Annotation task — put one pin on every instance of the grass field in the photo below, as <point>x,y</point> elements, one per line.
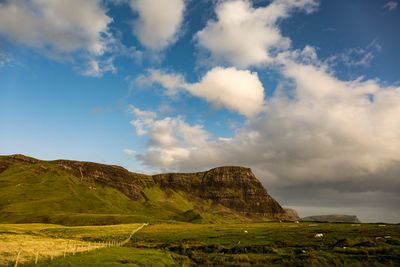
<point>256,244</point>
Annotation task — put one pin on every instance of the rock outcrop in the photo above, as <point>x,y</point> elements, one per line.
<point>289,215</point>
<point>234,187</point>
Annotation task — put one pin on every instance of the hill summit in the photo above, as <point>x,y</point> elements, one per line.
<point>75,192</point>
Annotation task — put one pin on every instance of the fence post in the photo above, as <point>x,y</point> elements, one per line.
<point>17,259</point>
<point>37,256</point>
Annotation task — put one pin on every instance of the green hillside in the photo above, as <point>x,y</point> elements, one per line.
<point>42,191</point>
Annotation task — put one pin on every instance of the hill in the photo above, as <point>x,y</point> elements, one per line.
<point>82,193</point>
<point>332,218</point>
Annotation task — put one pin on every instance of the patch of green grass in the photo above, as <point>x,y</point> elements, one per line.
<point>44,193</point>
<point>269,244</point>
<point>92,233</point>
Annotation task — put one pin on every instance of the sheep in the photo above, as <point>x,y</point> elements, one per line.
<point>319,235</point>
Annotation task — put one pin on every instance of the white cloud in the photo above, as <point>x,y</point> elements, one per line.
<point>170,139</point>
<point>245,36</point>
<point>61,26</point>
<point>145,119</point>
<point>391,5</point>
<point>158,22</point>
<point>96,68</point>
<point>171,82</point>
<point>237,90</point>
<point>129,152</point>
<point>62,30</point>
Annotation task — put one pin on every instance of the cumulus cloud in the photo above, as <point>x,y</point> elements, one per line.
<point>158,22</point>
<point>244,36</point>
<point>237,90</point>
<point>61,26</point>
<point>170,139</point>
<point>62,30</point>
<point>391,5</point>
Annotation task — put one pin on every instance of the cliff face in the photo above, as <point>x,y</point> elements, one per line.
<point>233,188</point>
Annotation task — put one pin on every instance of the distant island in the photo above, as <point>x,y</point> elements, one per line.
<point>332,218</point>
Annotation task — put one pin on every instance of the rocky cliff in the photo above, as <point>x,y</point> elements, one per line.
<point>234,187</point>
<point>224,190</point>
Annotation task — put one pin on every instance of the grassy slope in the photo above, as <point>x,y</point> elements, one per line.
<point>264,244</point>
<point>41,192</point>
<point>44,193</point>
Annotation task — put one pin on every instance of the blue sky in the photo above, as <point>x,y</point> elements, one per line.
<point>306,92</point>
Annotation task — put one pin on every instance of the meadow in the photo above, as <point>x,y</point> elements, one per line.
<point>183,244</point>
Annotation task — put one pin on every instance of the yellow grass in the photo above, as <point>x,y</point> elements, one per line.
<point>45,247</point>
<point>35,240</point>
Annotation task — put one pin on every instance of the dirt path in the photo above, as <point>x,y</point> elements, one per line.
<point>133,232</point>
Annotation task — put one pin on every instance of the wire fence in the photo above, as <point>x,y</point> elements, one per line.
<point>60,248</point>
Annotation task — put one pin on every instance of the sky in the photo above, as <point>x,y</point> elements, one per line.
<point>304,92</point>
